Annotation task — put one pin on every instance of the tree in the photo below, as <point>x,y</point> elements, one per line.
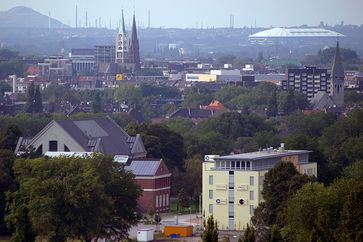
<point>289,104</point>
<point>34,100</point>
<point>314,212</point>
<point>302,212</point>
<point>7,183</point>
<point>129,94</point>
<point>280,183</point>
<point>249,234</point>
<point>79,198</point>
<point>38,103</point>
<point>354,171</point>
<point>351,226</point>
<point>9,137</point>
<point>210,233</point>
<point>161,142</point>
<point>97,103</point>
<point>272,106</point>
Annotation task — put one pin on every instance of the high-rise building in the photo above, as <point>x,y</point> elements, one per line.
<point>122,45</point>
<point>232,185</point>
<point>309,80</point>
<point>337,79</point>
<point>134,54</point>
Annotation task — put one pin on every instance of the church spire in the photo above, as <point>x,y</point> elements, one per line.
<point>122,27</point>
<point>337,79</point>
<point>337,68</point>
<point>122,43</point>
<point>134,55</point>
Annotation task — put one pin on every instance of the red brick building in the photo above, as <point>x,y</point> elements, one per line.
<point>154,178</point>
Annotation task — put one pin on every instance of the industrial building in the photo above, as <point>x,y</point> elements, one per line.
<point>232,184</point>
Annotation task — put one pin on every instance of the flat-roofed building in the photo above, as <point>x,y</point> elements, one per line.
<point>309,80</point>
<point>232,184</point>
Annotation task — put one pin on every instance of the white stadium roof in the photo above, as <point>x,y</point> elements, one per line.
<point>296,33</point>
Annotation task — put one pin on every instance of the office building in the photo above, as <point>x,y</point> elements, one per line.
<point>232,184</point>
<point>105,54</point>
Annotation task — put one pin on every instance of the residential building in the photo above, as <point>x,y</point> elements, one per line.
<point>232,184</point>
<point>91,135</point>
<point>154,178</point>
<point>309,80</point>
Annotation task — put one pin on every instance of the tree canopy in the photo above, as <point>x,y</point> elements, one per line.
<point>77,198</point>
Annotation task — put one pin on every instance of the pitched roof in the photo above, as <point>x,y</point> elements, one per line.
<point>144,167</point>
<point>321,101</point>
<point>216,105</point>
<point>100,132</point>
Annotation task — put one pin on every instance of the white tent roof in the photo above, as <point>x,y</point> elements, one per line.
<point>296,32</point>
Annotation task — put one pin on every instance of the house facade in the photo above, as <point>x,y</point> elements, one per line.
<point>101,135</point>
<point>232,184</point>
<point>154,177</point>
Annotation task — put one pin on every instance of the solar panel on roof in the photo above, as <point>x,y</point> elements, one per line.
<point>144,167</point>
<point>90,128</point>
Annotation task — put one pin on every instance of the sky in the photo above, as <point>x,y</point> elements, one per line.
<point>200,13</point>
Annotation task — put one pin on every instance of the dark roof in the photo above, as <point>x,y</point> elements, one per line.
<point>90,134</point>
<point>144,167</point>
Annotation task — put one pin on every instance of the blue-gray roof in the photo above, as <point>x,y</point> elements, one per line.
<point>144,167</point>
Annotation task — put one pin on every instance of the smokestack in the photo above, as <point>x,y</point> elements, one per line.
<point>76,16</point>
<point>49,20</point>
<point>96,24</point>
<point>99,22</point>
<point>148,23</point>
<point>14,83</point>
<point>86,19</point>
<point>231,21</point>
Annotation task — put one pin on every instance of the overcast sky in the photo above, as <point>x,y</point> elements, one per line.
<point>197,13</point>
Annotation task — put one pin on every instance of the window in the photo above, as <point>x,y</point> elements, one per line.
<point>157,201</point>
<point>160,200</point>
<point>252,210</point>
<point>231,211</point>
<point>66,149</point>
<point>210,208</point>
<point>167,199</point>
<point>210,180</point>
<point>252,180</point>
<point>210,194</point>
<point>53,145</point>
<point>252,195</point>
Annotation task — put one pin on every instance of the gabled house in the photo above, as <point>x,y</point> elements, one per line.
<point>154,178</point>
<point>92,135</point>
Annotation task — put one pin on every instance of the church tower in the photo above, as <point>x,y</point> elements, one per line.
<point>134,54</point>
<point>337,79</point>
<point>122,47</point>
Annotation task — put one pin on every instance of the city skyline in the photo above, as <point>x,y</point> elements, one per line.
<point>201,14</point>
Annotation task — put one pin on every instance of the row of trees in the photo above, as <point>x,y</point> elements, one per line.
<point>66,198</point>
<point>298,208</point>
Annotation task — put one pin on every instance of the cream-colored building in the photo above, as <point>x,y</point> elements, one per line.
<point>232,184</point>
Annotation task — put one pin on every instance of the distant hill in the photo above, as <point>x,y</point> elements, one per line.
<point>24,17</point>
